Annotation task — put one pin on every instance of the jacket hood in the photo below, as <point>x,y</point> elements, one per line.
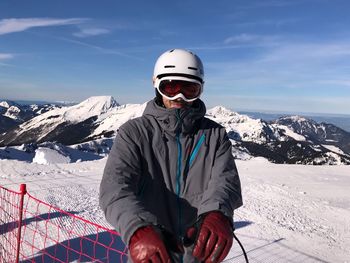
<point>175,121</point>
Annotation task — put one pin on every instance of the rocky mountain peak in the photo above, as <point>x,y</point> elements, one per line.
<point>7,104</point>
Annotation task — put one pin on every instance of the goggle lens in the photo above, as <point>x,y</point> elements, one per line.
<point>171,88</point>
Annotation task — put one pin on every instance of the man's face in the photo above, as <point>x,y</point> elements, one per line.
<point>176,104</point>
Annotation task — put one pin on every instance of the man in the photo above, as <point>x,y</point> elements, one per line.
<point>170,184</point>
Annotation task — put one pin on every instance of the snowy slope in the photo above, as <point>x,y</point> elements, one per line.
<point>66,124</point>
<point>93,106</point>
<point>111,121</point>
<point>241,127</point>
<point>21,113</point>
<point>287,140</point>
<point>317,132</point>
<point>291,213</point>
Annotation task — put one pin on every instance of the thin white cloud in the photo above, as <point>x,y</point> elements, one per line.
<point>308,69</point>
<point>252,39</point>
<point>88,32</point>
<point>5,65</point>
<point>269,4</point>
<point>98,48</point>
<point>338,82</point>
<point>269,22</point>
<point>316,54</point>
<point>240,38</point>
<point>244,40</point>
<point>4,56</point>
<point>12,25</point>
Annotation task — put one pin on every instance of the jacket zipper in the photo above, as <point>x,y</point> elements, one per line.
<point>178,173</point>
<point>178,179</point>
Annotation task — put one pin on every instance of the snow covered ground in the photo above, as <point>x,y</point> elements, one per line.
<point>291,213</point>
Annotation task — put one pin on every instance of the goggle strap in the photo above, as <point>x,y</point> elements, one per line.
<point>180,75</point>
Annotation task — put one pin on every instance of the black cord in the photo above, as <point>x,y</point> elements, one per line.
<point>240,244</point>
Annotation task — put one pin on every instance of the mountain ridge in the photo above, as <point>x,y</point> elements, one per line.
<point>292,139</point>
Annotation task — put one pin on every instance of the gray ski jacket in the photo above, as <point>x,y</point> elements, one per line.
<point>166,168</point>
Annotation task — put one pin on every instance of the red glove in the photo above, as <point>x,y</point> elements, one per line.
<point>214,240</point>
<point>146,245</point>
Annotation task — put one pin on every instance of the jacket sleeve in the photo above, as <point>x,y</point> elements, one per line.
<point>224,188</point>
<point>120,185</point>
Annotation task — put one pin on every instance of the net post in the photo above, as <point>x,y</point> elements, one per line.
<point>23,191</point>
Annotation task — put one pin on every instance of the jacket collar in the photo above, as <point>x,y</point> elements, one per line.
<point>174,121</point>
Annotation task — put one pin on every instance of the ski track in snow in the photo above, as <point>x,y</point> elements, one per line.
<point>291,213</point>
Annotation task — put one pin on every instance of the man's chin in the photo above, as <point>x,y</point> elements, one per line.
<point>179,105</point>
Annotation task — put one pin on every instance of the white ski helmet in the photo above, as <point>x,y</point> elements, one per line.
<point>178,64</point>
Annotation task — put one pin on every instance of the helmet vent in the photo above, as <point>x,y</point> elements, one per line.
<point>192,68</point>
<point>169,66</point>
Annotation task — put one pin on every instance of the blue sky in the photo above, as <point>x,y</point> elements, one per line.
<point>271,55</point>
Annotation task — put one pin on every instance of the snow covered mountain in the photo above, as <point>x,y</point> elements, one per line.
<point>323,133</point>
<point>286,140</point>
<point>88,126</point>
<point>67,125</point>
<point>13,114</point>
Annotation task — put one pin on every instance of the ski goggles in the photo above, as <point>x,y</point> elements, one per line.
<point>173,89</point>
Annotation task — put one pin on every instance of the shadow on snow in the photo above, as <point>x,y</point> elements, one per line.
<point>99,247</point>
